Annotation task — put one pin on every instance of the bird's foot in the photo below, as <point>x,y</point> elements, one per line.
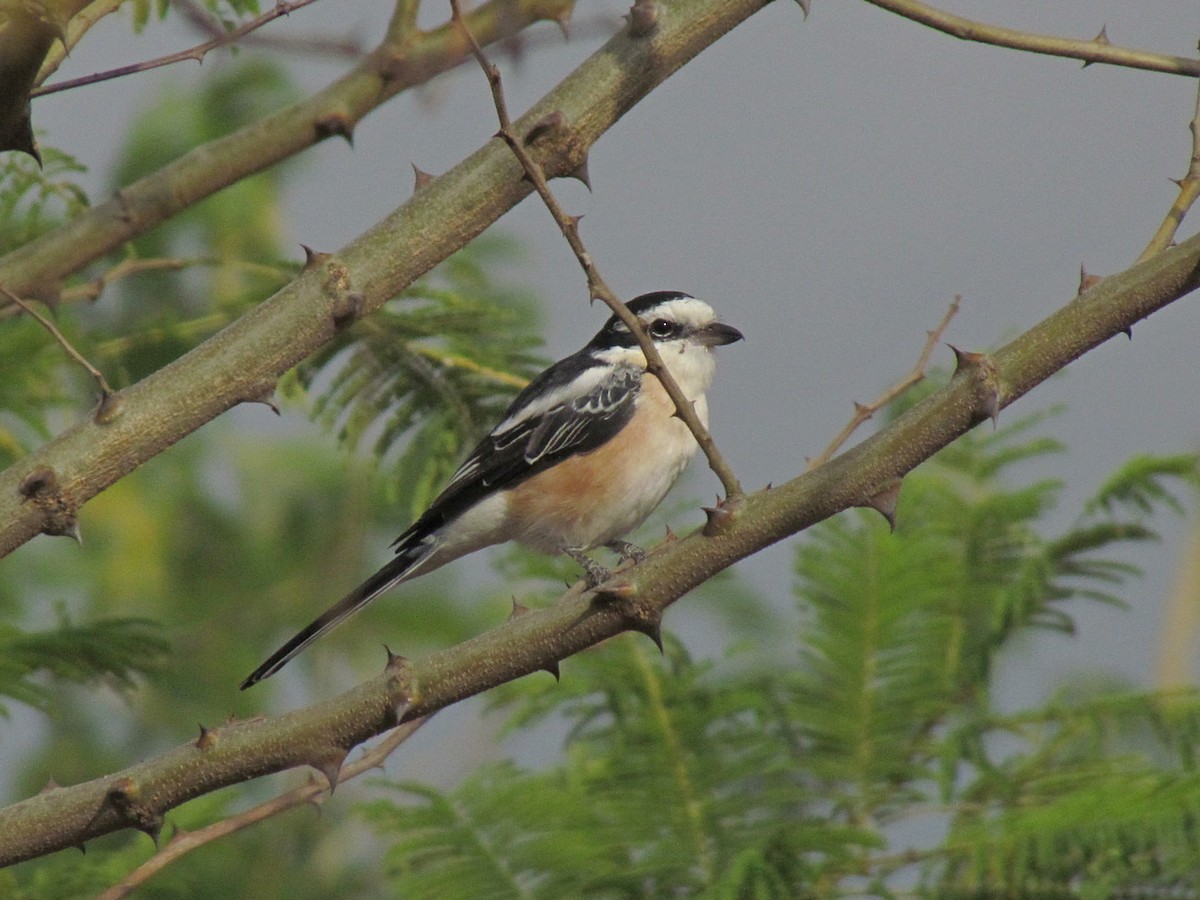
<point>594,573</point>
<point>627,551</point>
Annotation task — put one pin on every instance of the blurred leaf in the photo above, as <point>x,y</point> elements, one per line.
<point>1140,484</point>
<point>115,650</point>
<point>35,199</point>
<point>152,318</point>
<point>427,376</point>
<point>785,778</point>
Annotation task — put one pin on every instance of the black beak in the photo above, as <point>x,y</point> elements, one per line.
<point>718,334</point>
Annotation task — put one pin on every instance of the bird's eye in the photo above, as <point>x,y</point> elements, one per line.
<point>661,329</point>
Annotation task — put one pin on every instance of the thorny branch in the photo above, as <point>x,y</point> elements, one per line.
<point>598,288</point>
<point>197,53</point>
<point>1189,190</point>
<point>139,795</point>
<point>863,412</point>
<point>314,791</point>
<point>1097,50</point>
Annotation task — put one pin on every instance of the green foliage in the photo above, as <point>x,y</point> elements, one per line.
<point>35,199</point>
<point>1139,484</point>
<point>1105,797</point>
<point>669,788</point>
<point>427,376</point>
<point>228,246</point>
<point>32,386</point>
<point>228,10</point>
<point>115,650</point>
<point>800,778</point>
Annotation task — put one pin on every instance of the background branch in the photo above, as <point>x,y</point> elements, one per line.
<point>321,735</point>
<point>1093,51</point>
<point>401,61</point>
<point>347,46</point>
<point>863,412</point>
<point>1189,190</point>
<point>184,842</point>
<point>196,53</point>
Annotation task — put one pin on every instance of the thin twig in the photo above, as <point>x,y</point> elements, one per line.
<point>1189,190</point>
<point>404,19</point>
<point>106,390</point>
<point>598,288</point>
<point>92,290</point>
<point>864,412</point>
<point>1093,51</point>
<point>196,53</point>
<point>207,23</point>
<point>184,842</point>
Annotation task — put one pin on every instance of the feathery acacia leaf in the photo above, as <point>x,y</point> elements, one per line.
<point>35,199</point>
<point>781,780</point>
<point>117,650</point>
<point>1138,485</point>
<point>425,377</point>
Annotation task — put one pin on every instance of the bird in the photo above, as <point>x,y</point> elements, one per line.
<point>585,452</point>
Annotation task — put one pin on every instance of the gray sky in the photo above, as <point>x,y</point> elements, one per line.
<point>828,186</point>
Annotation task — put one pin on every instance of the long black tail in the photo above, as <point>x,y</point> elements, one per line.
<point>391,574</point>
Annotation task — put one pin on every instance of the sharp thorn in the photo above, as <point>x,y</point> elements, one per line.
<point>965,359</point>
<point>207,738</point>
<point>651,628</point>
<point>564,23</point>
<point>718,519</point>
<point>580,174</point>
<point>152,829</point>
<point>72,531</point>
<point>330,766</point>
<point>313,258</point>
<point>420,178</point>
<point>884,500</point>
<point>393,659</point>
<point>264,393</point>
<point>335,123</point>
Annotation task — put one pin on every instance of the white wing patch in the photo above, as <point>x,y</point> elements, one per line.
<point>583,413</point>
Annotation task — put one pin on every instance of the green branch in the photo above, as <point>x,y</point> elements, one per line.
<point>321,735</point>
<point>402,61</point>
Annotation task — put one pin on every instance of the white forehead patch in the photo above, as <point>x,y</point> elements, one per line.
<point>684,310</point>
<point>687,311</point>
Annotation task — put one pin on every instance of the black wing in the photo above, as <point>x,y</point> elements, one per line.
<point>521,446</point>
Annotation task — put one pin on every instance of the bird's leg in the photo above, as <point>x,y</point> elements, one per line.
<point>626,550</point>
<point>596,574</point>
